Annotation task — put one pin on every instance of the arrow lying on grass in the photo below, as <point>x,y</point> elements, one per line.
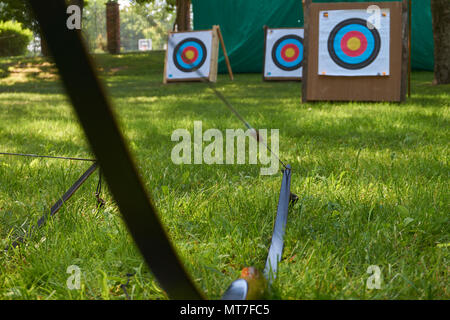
<point>66,196</point>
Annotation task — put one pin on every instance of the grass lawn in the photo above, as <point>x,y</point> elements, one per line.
<point>373,182</point>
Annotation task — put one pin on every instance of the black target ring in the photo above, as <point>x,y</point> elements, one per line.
<point>332,38</point>
<point>275,55</point>
<point>202,55</point>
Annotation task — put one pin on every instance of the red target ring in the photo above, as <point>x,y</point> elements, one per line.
<point>354,43</point>
<point>290,55</point>
<point>189,54</point>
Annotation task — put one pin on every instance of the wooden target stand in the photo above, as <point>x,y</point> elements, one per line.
<point>319,87</point>
<point>212,58</point>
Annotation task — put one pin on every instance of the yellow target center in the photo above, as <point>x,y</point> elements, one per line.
<point>189,54</point>
<point>290,52</point>
<point>354,43</point>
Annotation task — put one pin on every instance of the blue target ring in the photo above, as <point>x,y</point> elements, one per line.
<point>366,51</point>
<point>196,58</point>
<point>292,61</point>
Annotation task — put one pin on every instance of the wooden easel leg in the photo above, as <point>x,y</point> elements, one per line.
<point>306,5</point>
<point>219,34</point>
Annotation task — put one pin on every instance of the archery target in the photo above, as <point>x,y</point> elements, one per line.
<point>350,46</point>
<point>189,55</point>
<point>284,53</point>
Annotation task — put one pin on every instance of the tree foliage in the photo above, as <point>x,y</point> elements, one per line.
<point>137,21</point>
<point>180,7</point>
<point>145,21</point>
<point>13,38</point>
<point>18,11</point>
<point>21,12</point>
<point>169,5</point>
<point>94,24</point>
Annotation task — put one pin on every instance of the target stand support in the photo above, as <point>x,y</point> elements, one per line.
<point>194,56</point>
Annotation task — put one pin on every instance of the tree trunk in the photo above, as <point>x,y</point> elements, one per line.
<point>183,19</point>
<point>113,27</point>
<point>440,10</point>
<point>44,47</point>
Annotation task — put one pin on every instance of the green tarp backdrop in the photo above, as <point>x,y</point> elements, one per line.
<point>242,21</point>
